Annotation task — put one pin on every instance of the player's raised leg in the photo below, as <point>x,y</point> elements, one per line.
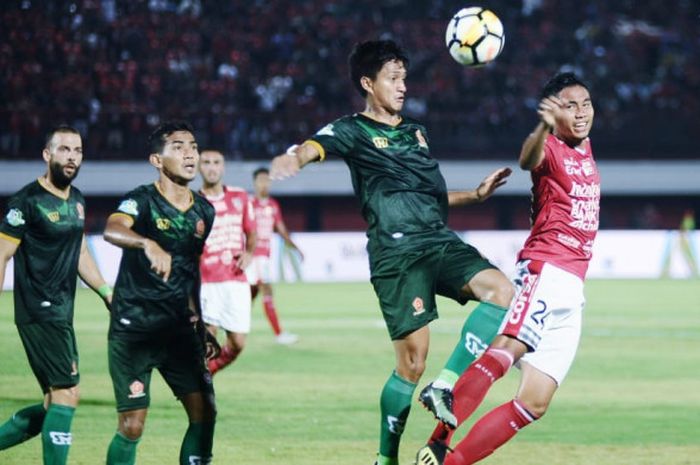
<point>22,425</point>
<point>494,291</point>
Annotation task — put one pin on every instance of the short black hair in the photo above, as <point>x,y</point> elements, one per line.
<point>559,82</point>
<point>61,128</point>
<point>367,59</point>
<point>261,170</point>
<point>156,141</point>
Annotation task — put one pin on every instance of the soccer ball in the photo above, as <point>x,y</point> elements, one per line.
<point>474,36</point>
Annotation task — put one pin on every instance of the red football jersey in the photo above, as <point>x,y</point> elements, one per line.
<point>226,242</point>
<point>565,207</point>
<point>267,216</point>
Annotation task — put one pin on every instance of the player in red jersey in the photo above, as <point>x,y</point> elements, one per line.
<point>225,293</point>
<point>268,217</point>
<point>542,328</point>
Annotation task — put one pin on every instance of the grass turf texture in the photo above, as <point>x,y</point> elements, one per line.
<point>631,397</point>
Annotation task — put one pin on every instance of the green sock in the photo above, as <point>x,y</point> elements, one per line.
<point>24,424</point>
<point>122,450</point>
<point>395,404</point>
<point>197,444</point>
<point>477,333</point>
<point>55,434</point>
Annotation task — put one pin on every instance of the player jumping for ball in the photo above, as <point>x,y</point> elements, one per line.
<point>413,255</point>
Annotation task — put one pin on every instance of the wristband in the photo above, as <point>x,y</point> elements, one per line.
<point>292,150</point>
<point>104,290</point>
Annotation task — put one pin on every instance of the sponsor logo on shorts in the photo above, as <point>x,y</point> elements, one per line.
<point>523,299</point>
<point>136,389</point>
<point>418,306</point>
<point>74,368</point>
<point>14,217</point>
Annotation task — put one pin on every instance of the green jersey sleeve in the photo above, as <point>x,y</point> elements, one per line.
<point>14,223</point>
<point>336,138</point>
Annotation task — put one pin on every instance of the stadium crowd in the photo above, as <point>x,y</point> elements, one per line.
<point>255,76</point>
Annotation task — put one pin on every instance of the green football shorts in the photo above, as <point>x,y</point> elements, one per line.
<point>52,353</point>
<point>406,283</point>
<point>178,357</point>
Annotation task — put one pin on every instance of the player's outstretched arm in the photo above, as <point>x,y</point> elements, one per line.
<point>483,191</point>
<point>7,251</point>
<point>118,232</point>
<point>532,152</point>
<point>294,159</point>
<point>90,274</point>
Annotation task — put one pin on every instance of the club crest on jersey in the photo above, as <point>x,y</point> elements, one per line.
<point>418,306</point>
<point>199,228</point>
<point>81,210</point>
<point>53,216</point>
<point>380,142</point>
<point>162,224</point>
<point>129,206</point>
<point>14,217</point>
<point>136,390</point>
<point>421,140</point>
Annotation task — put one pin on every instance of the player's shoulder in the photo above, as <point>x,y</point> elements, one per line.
<point>234,191</point>
<point>144,190</point>
<point>344,123</point>
<point>77,194</point>
<point>408,121</point>
<point>201,202</point>
<point>29,190</point>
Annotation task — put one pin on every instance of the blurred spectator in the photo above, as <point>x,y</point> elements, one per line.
<point>256,76</point>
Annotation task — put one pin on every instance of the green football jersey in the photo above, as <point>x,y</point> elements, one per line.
<point>401,190</point>
<point>143,304</point>
<point>49,231</point>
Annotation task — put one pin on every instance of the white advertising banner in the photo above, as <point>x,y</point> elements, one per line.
<point>331,257</point>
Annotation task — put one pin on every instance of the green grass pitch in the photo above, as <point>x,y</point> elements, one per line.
<point>632,397</point>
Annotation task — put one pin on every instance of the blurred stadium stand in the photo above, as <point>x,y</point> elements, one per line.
<point>256,76</point>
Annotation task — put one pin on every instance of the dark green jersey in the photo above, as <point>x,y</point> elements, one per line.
<point>49,231</point>
<point>143,304</point>
<point>402,192</point>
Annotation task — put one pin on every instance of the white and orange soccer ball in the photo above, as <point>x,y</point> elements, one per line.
<point>474,36</point>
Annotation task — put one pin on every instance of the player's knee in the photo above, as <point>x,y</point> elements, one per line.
<point>535,407</point>
<point>209,413</point>
<point>66,396</point>
<point>131,427</point>
<point>237,344</point>
<point>501,293</point>
<point>412,370</point>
